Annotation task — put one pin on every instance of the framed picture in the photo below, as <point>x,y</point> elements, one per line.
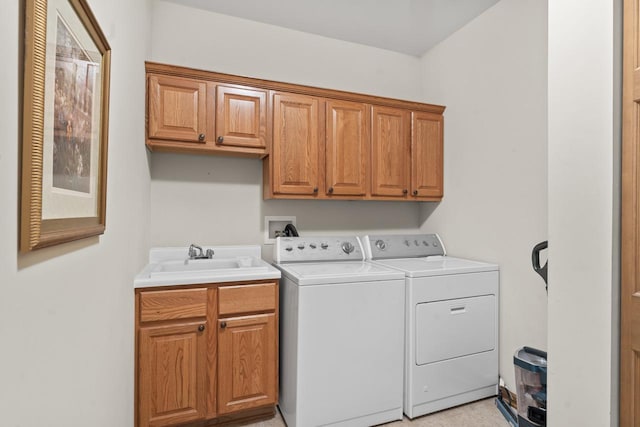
<point>65,124</point>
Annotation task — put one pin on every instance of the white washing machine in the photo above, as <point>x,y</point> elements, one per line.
<point>451,323</point>
<point>341,340</point>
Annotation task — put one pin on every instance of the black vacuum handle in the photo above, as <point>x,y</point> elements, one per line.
<point>535,259</point>
<point>535,254</point>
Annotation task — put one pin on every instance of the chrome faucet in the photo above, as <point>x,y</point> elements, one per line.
<point>195,252</point>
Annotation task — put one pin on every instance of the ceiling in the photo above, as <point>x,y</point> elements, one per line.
<point>406,26</point>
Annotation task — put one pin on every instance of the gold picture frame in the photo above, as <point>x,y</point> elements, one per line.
<point>65,122</point>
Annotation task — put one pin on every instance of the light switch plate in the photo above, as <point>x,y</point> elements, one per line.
<point>273,224</point>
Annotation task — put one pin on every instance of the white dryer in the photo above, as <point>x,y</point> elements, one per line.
<point>451,322</point>
<point>341,340</point>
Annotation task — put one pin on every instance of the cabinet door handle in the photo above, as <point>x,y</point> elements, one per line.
<point>223,325</point>
<point>220,139</point>
<point>315,189</point>
<point>201,328</point>
<point>330,190</point>
<point>405,191</point>
<point>415,192</point>
<point>201,137</point>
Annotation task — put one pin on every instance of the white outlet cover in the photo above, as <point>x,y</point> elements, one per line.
<point>272,223</point>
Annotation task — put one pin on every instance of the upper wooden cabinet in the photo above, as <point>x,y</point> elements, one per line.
<point>177,109</point>
<point>390,152</point>
<point>294,160</point>
<point>426,155</point>
<point>241,117</point>
<point>197,116</point>
<point>315,143</point>
<point>347,148</point>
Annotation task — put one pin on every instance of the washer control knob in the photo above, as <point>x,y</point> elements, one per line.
<point>288,248</point>
<point>381,245</point>
<point>406,242</point>
<point>301,246</point>
<point>424,242</point>
<point>312,245</point>
<point>415,242</point>
<point>435,244</point>
<point>347,247</point>
<point>324,245</point>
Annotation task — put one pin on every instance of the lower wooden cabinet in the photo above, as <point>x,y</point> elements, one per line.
<point>172,373</point>
<point>246,362</point>
<point>200,365</point>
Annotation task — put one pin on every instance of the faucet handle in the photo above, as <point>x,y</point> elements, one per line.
<point>209,253</point>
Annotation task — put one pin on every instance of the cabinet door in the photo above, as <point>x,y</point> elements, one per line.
<point>347,150</point>
<point>426,155</point>
<point>391,152</point>
<point>241,117</point>
<point>177,109</point>
<point>173,373</point>
<point>295,144</point>
<point>247,362</point>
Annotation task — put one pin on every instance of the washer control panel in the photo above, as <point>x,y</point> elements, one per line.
<point>323,248</point>
<point>403,246</point>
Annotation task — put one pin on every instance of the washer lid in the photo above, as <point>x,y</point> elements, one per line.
<point>325,273</point>
<point>436,266</point>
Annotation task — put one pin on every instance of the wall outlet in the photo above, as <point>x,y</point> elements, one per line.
<point>274,227</point>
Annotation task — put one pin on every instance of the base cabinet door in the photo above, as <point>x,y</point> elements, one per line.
<point>172,374</point>
<point>247,362</point>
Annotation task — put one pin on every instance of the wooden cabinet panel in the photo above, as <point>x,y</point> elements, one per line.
<point>177,109</point>
<point>247,362</point>
<point>295,144</point>
<point>247,298</point>
<point>241,117</point>
<point>173,374</point>
<point>174,304</point>
<point>390,152</point>
<point>426,155</point>
<point>347,147</point>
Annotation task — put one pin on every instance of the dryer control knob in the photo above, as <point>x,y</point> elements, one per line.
<point>347,247</point>
<point>381,245</point>
<point>324,245</point>
<point>312,245</point>
<point>301,246</point>
<point>288,248</point>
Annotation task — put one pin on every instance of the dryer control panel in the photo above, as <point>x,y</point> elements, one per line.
<point>403,246</point>
<point>322,248</point>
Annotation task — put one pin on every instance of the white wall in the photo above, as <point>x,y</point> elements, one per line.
<point>491,75</point>
<point>216,42</point>
<point>582,125</point>
<point>66,313</point>
<point>218,200</point>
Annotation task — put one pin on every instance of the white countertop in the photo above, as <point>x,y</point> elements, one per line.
<point>170,266</point>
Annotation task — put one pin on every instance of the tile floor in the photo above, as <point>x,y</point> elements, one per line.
<point>482,413</point>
